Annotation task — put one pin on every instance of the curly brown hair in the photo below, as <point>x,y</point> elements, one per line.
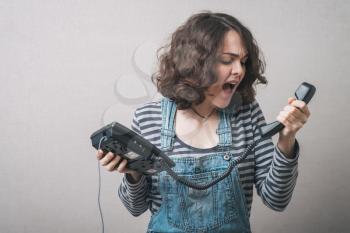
<point>186,63</point>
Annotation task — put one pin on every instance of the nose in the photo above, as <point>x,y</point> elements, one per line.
<point>237,69</point>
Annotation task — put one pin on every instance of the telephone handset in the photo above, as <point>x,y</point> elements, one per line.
<point>304,92</point>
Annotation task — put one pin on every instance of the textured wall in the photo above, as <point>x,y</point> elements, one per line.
<point>69,67</point>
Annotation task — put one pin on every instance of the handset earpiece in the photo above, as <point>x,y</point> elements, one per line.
<point>305,92</point>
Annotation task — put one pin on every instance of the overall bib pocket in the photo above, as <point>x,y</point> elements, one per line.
<point>200,210</point>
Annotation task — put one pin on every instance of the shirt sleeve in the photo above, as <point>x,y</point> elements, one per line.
<point>275,174</point>
<point>133,195</point>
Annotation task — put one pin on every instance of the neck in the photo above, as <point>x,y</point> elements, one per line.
<point>203,110</point>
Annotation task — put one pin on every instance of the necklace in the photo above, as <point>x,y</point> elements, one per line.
<point>204,118</point>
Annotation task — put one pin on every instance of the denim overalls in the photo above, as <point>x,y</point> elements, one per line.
<point>220,208</point>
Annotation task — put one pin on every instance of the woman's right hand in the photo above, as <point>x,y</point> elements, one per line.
<point>113,162</point>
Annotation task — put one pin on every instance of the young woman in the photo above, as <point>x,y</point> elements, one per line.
<point>208,115</point>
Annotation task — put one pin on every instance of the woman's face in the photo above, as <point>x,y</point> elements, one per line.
<point>230,69</point>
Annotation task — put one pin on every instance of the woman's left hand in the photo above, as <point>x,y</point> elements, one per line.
<point>293,117</point>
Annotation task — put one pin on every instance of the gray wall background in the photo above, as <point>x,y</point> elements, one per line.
<point>69,67</point>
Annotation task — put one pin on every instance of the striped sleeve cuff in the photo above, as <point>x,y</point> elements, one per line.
<point>284,160</point>
<point>132,186</point>
<point>133,195</point>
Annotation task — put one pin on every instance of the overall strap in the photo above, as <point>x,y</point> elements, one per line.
<point>224,130</point>
<point>168,108</point>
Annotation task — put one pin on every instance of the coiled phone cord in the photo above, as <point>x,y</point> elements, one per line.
<point>229,169</point>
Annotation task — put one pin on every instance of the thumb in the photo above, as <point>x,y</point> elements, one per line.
<point>291,99</point>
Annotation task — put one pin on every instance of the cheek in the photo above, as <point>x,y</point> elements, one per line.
<point>223,72</point>
<point>215,89</point>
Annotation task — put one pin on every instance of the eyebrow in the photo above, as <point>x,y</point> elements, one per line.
<point>236,55</point>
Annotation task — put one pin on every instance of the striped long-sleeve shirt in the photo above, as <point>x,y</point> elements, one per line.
<point>273,174</point>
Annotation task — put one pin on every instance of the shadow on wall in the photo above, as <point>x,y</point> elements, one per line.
<point>134,89</point>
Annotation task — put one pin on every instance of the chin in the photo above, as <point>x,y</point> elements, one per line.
<point>222,104</point>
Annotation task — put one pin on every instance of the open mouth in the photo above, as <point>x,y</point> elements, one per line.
<point>228,86</point>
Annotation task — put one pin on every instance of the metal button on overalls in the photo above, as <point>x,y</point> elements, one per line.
<point>227,157</point>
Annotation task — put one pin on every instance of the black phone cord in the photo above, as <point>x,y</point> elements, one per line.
<point>229,169</point>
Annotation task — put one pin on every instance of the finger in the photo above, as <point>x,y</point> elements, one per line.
<point>107,158</point>
<point>288,128</point>
<point>122,166</point>
<point>291,99</point>
<point>113,164</point>
<point>296,122</point>
<point>294,111</point>
<point>306,111</point>
<point>301,105</point>
<point>100,154</point>
<point>289,121</point>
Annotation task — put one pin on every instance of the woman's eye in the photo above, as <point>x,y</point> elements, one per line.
<point>229,61</point>
<point>226,62</point>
